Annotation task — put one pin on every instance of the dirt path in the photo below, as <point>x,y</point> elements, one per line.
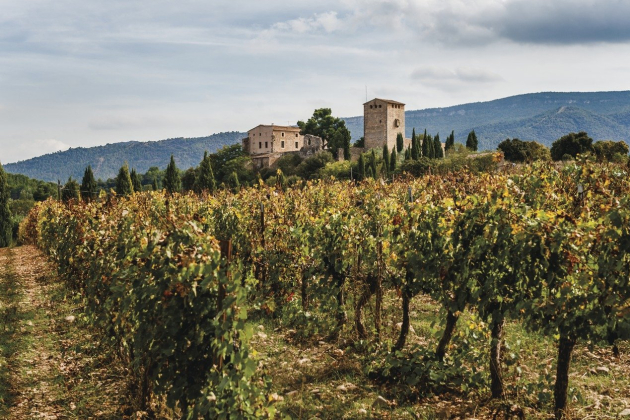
<point>50,365</point>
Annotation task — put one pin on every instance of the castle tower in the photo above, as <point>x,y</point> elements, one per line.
<point>382,121</point>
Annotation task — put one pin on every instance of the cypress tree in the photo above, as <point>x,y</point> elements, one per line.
<point>437,147</point>
<point>88,185</point>
<point>400,141</point>
<point>70,191</point>
<point>155,184</point>
<point>135,180</point>
<point>206,181</point>
<point>6,224</point>
<point>361,167</point>
<point>414,148</point>
<point>414,138</point>
<point>392,161</point>
<point>425,144</point>
<point>373,164</point>
<point>124,185</point>
<point>471,141</point>
<point>369,172</point>
<point>172,180</point>
<point>450,141</point>
<point>408,153</point>
<point>386,159</point>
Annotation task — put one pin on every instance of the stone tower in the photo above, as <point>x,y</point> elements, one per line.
<point>382,121</point>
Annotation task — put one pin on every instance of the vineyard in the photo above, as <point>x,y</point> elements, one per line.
<point>178,285</point>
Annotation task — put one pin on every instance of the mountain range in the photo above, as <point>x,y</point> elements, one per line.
<point>543,117</point>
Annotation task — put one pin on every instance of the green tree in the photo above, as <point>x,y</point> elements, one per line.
<point>359,143</point>
<point>400,141</point>
<point>6,226</point>
<point>189,179</point>
<point>386,159</point>
<point>154,184</point>
<point>606,150</point>
<point>414,152</point>
<point>135,180</point>
<point>437,147</point>
<point>206,181</point>
<point>124,185</point>
<point>450,141</point>
<point>70,191</point>
<point>333,131</point>
<point>426,144</point>
<point>172,180</point>
<point>88,185</point>
<point>471,141</point>
<point>392,161</point>
<point>362,167</point>
<point>572,144</point>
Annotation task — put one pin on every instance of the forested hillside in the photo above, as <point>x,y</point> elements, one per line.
<point>534,116</point>
<point>107,160</point>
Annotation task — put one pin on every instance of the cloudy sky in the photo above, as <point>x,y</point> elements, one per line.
<point>87,72</point>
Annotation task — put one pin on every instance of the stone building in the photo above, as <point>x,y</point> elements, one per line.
<point>267,143</point>
<point>383,119</point>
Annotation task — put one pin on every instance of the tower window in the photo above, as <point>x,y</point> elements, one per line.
<point>379,106</point>
<point>296,144</point>
<point>282,134</point>
<point>266,145</point>
<point>309,141</point>
<point>282,143</point>
<point>260,144</point>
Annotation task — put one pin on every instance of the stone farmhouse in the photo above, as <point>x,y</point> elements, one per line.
<point>383,120</point>
<point>268,143</point>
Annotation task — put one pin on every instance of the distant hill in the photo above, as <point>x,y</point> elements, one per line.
<point>536,116</point>
<point>604,115</point>
<point>107,160</point>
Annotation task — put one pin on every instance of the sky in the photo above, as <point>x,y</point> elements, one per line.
<point>81,73</point>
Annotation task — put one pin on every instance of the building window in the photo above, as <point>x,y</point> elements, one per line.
<point>266,146</point>
<point>282,144</point>
<point>282,134</point>
<point>379,106</point>
<point>309,141</point>
<point>296,134</point>
<point>370,106</point>
<point>260,144</point>
<point>296,144</point>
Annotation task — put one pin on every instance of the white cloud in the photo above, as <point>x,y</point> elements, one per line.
<point>461,74</point>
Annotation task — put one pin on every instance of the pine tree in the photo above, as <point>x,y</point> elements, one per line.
<point>392,162</point>
<point>135,180</point>
<point>471,141</point>
<point>361,167</point>
<point>386,159</point>
<point>400,141</point>
<point>124,186</point>
<point>450,141</point>
<point>70,191</point>
<point>172,180</point>
<point>437,147</point>
<point>206,181</point>
<point>425,144</point>
<point>6,224</point>
<point>88,185</point>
